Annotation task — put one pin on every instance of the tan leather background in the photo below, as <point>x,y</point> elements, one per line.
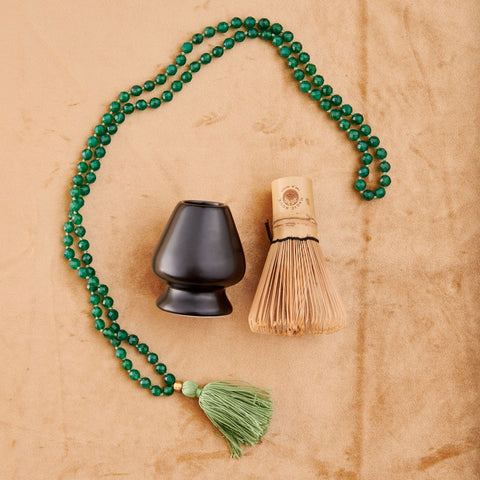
<point>393,396</point>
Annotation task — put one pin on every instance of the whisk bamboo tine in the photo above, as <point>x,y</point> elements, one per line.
<point>296,293</point>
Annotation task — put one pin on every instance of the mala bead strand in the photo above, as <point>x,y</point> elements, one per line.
<point>179,73</point>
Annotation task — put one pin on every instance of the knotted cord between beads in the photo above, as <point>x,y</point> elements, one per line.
<point>76,251</point>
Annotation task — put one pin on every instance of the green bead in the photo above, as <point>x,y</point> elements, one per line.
<point>90,177</point>
<point>160,79</point>
<point>363,172</point>
<point>123,97</point>
<point>304,57</point>
<point>252,33</point>
<point>374,141</point>
<point>239,36</point>
<point>186,77</point>
<point>195,66</point>
<point>92,141</point>
<point>277,41</point>
<point>75,192</point>
<point>155,390</point>
<point>180,60</point>
<point>357,118</point>
<point>167,96</point>
<point>276,29</point>
<point>106,139</point>
<point>380,192</point>
<point>217,52</point>
<point>99,324</point>
<point>94,299</point>
<point>141,105</point>
<point>209,32</point>
<point>115,107</point>
<point>205,58</point>
<point>325,105</point>
<point>76,204</point>
<point>87,154</point>
<point>367,159</point>
<point>155,102</point>
<point>67,240</point>
<point>335,114</point>
<point>384,166</point>
<point>263,23</point>
<point>119,117</point>
<point>249,22</point>
<point>160,368</point>
<point>168,390</point>
<point>136,90</point>
<point>93,284</point>
<point>353,135</point>
<point>145,382</point>
<point>132,340</point>
<point>87,259</point>
<point>310,69</point>
<point>315,94</point>
<point>187,47</point>
<point>76,218</point>
<point>107,302</point>
<point>346,110</point>
<point>99,152</point>
<point>266,35</point>
<point>298,74</point>
<point>368,195</point>
<point>236,22</point>
<point>169,379</point>
<point>80,231</point>
<point>296,47</point>
<point>99,130</point>
<point>77,180</point>
<point>112,129</point>
<point>336,100</point>
<point>285,52</point>
<point>152,358</point>
<point>292,62</point>
<point>82,272</point>
<point>107,118</point>
<point>127,364</point>
<point>96,311</point>
<point>228,43</point>
<point>120,353</point>
<point>360,185</point>
<point>327,90</point>
<point>318,80</point>
<point>344,124</point>
<point>148,86</point>
<point>362,146</point>
<point>381,153</point>
<point>142,348</point>
<point>365,130</point>
<point>85,189</point>
<point>223,27</point>
<point>287,36</point>
<point>385,180</point>
<point>91,271</point>
<point>122,335</point>
<point>197,39</point>
<point>171,70</point>
<point>134,374</point>
<point>305,86</point>
<point>112,314</point>
<point>68,227</point>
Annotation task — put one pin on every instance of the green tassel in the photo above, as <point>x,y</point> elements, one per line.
<point>239,411</point>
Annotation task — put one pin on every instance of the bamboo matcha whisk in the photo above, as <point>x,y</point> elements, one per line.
<point>296,294</point>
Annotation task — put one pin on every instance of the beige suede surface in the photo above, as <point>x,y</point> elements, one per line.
<point>394,395</point>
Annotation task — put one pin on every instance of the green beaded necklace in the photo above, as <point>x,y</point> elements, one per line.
<point>240,411</point>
